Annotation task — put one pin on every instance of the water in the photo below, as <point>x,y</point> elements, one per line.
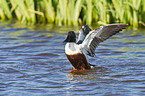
<point>33,63</point>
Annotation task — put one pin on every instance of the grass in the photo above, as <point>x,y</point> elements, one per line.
<point>74,12</point>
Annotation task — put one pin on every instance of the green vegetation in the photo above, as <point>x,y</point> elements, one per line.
<point>74,12</point>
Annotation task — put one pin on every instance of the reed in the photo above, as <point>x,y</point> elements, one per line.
<point>74,12</point>
<point>143,11</point>
<point>5,12</point>
<point>49,12</point>
<point>29,4</point>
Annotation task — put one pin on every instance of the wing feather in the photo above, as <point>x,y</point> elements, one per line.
<point>82,33</point>
<point>94,37</point>
<point>81,37</point>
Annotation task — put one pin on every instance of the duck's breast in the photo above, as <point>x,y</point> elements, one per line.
<point>78,61</point>
<point>72,48</point>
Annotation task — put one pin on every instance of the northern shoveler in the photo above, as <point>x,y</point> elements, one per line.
<point>78,53</point>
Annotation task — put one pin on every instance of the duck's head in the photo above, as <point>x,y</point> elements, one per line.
<point>71,37</point>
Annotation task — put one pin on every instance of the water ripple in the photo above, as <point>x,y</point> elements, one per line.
<point>33,63</point>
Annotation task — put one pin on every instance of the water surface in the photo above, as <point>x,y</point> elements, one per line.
<point>33,63</point>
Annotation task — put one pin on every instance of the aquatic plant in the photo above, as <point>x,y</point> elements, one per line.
<point>74,12</point>
<point>5,10</point>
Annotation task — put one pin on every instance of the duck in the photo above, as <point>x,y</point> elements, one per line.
<point>77,53</point>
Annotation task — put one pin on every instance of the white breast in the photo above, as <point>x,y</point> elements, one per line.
<point>72,48</point>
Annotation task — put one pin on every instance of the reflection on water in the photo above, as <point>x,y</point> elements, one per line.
<point>85,75</point>
<point>33,63</point>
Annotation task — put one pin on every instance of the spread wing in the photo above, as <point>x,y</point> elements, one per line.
<point>82,33</point>
<point>94,37</point>
<point>81,37</point>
